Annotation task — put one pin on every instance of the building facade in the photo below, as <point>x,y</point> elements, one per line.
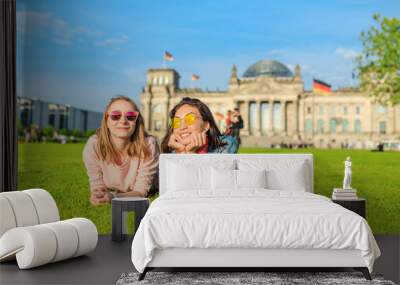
<point>59,116</point>
<point>277,110</point>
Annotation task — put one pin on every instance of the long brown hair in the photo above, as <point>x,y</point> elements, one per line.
<point>137,141</point>
<point>213,133</point>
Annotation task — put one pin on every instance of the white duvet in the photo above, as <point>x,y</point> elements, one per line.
<point>253,218</point>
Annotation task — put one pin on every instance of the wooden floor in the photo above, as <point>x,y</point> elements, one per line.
<point>110,260</point>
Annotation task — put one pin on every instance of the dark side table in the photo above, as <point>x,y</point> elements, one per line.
<point>119,209</point>
<point>355,205</point>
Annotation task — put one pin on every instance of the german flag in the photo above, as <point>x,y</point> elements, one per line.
<point>321,87</point>
<point>168,56</point>
<point>195,77</point>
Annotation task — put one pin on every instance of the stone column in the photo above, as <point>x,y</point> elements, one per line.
<point>246,118</point>
<point>300,117</point>
<point>262,123</point>
<point>368,126</point>
<point>257,127</point>
<point>395,113</point>
<point>391,119</point>
<point>271,115</point>
<point>297,117</point>
<point>283,117</point>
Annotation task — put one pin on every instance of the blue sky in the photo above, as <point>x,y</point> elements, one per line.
<point>82,53</point>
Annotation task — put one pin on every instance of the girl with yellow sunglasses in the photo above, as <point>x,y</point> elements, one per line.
<point>192,129</point>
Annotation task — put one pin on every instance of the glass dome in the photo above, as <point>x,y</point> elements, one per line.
<point>270,68</point>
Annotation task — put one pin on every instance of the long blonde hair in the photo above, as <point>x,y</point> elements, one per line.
<point>137,147</point>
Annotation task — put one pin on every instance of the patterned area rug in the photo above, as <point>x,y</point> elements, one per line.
<point>269,278</point>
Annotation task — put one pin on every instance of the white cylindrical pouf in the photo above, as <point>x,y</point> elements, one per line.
<point>7,218</point>
<point>33,246</point>
<point>87,233</point>
<point>46,207</point>
<point>67,239</point>
<point>23,208</point>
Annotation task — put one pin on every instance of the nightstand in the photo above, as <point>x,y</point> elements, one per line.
<point>355,205</point>
<point>119,207</point>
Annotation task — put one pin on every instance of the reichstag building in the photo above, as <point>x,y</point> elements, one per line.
<point>277,110</point>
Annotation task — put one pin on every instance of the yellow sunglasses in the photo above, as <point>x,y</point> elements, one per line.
<point>189,120</point>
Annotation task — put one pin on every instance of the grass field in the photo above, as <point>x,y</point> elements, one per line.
<point>60,170</point>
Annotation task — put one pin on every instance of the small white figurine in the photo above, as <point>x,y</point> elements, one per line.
<point>347,174</point>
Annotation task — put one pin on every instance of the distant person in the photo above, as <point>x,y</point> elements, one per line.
<point>121,159</point>
<point>228,123</point>
<point>193,130</point>
<point>380,146</point>
<point>34,133</point>
<point>237,124</point>
<point>27,135</point>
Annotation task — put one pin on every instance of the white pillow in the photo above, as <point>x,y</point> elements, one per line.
<point>251,178</point>
<point>185,177</point>
<point>291,178</point>
<point>236,179</point>
<point>282,174</point>
<point>223,179</point>
<point>189,176</point>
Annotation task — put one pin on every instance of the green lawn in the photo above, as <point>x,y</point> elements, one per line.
<point>60,170</point>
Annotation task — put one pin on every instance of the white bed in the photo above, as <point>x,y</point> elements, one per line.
<point>226,210</point>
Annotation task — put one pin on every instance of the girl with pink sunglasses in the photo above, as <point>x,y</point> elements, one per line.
<point>121,158</point>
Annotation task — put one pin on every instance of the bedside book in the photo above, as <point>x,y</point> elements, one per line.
<point>344,198</point>
<point>340,190</point>
<point>344,194</point>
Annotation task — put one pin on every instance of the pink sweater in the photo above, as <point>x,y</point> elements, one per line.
<point>132,175</point>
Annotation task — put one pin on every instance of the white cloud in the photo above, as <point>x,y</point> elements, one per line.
<point>275,52</point>
<point>346,53</point>
<point>37,19</point>
<point>43,23</point>
<point>113,41</point>
<point>60,31</point>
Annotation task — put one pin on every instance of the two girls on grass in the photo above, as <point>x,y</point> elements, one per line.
<point>122,159</point>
